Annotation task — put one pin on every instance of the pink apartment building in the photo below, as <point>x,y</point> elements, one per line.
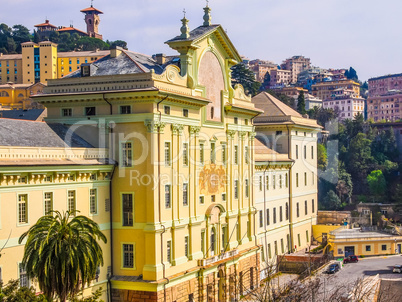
<point>346,103</point>
<point>296,64</point>
<point>381,85</point>
<point>280,77</point>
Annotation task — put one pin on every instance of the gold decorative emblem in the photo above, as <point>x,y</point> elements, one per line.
<point>212,178</point>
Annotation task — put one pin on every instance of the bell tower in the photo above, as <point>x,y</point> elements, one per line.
<point>92,20</point>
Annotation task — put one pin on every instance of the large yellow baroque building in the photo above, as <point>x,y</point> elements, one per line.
<point>181,179</point>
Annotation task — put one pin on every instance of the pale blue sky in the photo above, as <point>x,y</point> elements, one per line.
<point>365,34</point>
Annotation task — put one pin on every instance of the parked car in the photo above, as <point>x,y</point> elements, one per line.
<point>350,259</point>
<point>333,268</point>
<point>397,269</point>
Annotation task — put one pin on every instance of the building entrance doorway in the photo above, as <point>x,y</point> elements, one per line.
<point>398,248</point>
<point>349,250</point>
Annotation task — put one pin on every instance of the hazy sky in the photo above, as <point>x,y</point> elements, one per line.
<point>365,34</point>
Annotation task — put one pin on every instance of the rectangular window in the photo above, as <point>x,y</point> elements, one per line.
<point>267,217</point>
<point>269,250</point>
<point>305,152</point>
<point>185,154</point>
<point>260,183</point>
<point>212,198</point>
<point>313,206</point>
<point>274,215</point>
<point>236,155</point>
<point>312,152</point>
<point>125,109</point>
<point>261,219</point>
<point>23,208</point>
<point>297,210</point>
<point>169,251</point>
<point>384,247</point>
<point>236,193</point>
<point>203,242</point>
<point>305,207</point>
<point>297,179</point>
<point>298,239</point>
<point>213,154</point>
<point>267,182</point>
<point>201,154</point>
<point>274,181</point>
<point>287,211</point>
<point>48,203</point>
<point>185,194</point>
<point>186,247</point>
<point>167,153</point>
<point>167,110</point>
<point>280,214</point>
<point>246,155</point>
<point>297,152</point>
<point>93,207</point>
<point>90,111</point>
<point>223,196</point>
<point>128,210</point>
<point>276,247</point>
<point>305,178</point>
<point>24,280</point>
<point>71,202</point>
<point>202,200</point>
<point>312,178</point>
<point>167,196</point>
<point>246,188</point>
<point>280,181</point>
<point>185,112</point>
<point>128,255</point>
<point>224,154</point>
<point>282,246</point>
<point>126,154</point>
<point>307,237</point>
<point>368,248</point>
<point>66,112</point>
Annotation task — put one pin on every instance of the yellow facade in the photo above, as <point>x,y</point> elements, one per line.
<point>47,63</point>
<point>27,190</point>
<point>184,199</point>
<point>18,96</point>
<point>325,90</point>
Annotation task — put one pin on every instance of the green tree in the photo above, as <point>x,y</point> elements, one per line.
<point>12,292</point>
<point>322,158</point>
<point>20,35</point>
<point>62,254</point>
<point>301,104</point>
<point>332,201</point>
<point>322,115</point>
<point>376,182</point>
<point>120,43</point>
<point>266,83</point>
<point>244,76</point>
<point>351,74</point>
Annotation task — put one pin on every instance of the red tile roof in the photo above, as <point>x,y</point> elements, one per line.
<point>71,29</point>
<point>45,24</point>
<point>91,9</point>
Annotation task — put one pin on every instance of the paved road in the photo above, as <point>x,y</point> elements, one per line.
<point>366,267</point>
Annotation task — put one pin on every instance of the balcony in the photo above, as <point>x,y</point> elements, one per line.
<point>222,256</point>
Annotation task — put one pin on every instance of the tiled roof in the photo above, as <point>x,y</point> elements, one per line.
<point>11,57</point>
<point>21,133</point>
<point>91,9</point>
<point>99,53</point>
<point>30,115</point>
<point>46,24</point>
<point>71,29</point>
<point>263,154</point>
<point>272,106</point>
<point>126,63</point>
<point>195,33</point>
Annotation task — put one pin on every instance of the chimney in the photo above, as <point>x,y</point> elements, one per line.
<point>115,51</point>
<point>160,58</point>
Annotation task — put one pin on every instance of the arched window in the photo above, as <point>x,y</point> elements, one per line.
<point>20,95</point>
<point>4,93</point>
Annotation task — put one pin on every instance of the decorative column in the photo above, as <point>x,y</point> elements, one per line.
<point>177,131</point>
<point>194,133</point>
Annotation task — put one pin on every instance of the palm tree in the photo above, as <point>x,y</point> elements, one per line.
<point>63,254</point>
